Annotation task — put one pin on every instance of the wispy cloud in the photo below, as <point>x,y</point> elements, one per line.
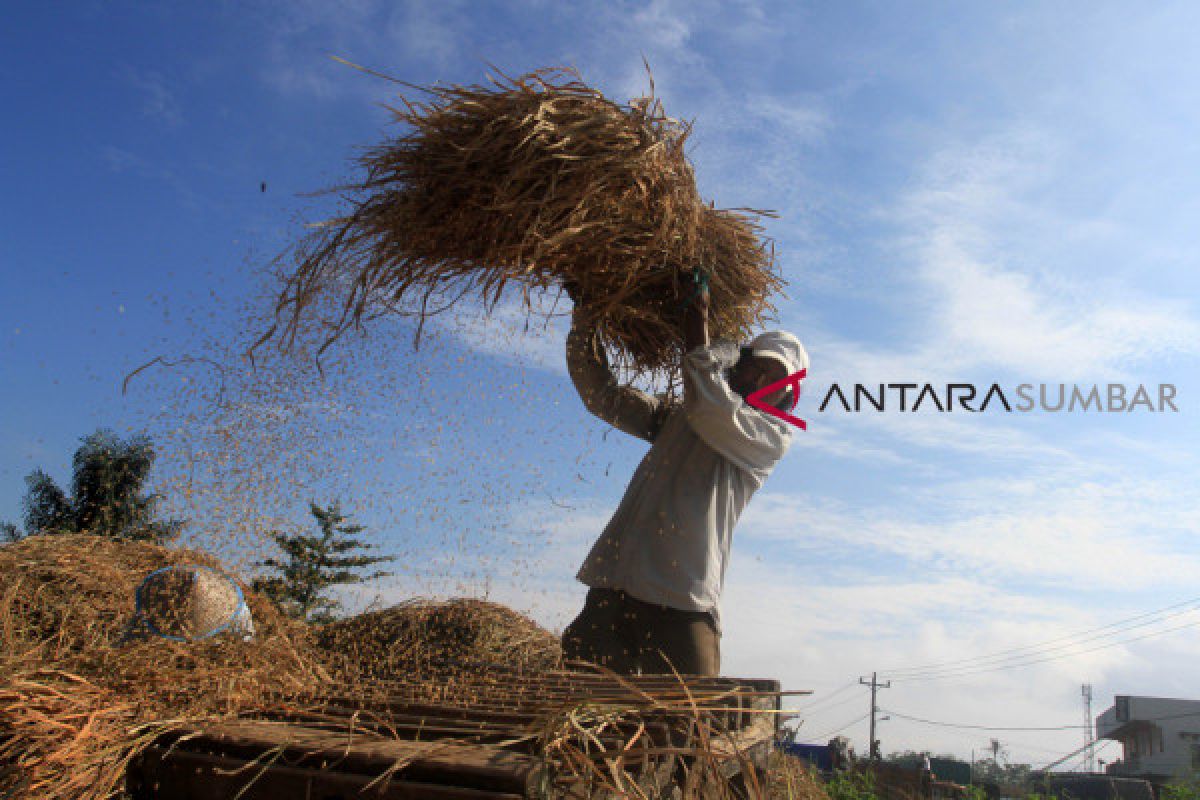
<point>985,306</point>
<point>787,622</point>
<point>664,22</point>
<point>375,34</point>
<point>514,333</point>
<point>1057,530</point>
<point>158,99</point>
<point>122,161</point>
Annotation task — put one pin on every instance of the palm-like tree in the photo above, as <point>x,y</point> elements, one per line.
<point>107,494</point>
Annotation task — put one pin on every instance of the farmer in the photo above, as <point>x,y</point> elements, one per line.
<point>656,572</point>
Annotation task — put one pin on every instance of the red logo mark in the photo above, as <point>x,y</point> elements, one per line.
<point>756,398</point>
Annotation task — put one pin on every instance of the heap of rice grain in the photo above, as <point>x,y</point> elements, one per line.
<point>421,636</point>
<point>533,183</point>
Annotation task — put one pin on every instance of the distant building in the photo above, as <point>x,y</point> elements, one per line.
<point>1160,736</point>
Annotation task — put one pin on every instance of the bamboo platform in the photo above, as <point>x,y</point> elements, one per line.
<point>479,732</point>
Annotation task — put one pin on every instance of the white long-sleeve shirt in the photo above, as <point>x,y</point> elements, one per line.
<point>668,541</point>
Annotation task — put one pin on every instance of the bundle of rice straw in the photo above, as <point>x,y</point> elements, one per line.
<point>426,635</point>
<point>76,704</point>
<point>534,182</point>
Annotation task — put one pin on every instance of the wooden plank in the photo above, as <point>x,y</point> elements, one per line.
<point>662,730</point>
<point>527,710</point>
<point>471,717</point>
<point>485,728</point>
<point>516,718</point>
<point>510,680</point>
<point>478,766</point>
<point>397,726</point>
<point>185,775</point>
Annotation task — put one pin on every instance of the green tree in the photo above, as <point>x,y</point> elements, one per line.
<point>855,785</point>
<point>9,533</point>
<point>107,494</point>
<point>989,770</point>
<point>1182,789</point>
<point>314,563</point>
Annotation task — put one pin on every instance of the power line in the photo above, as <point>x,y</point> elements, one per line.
<point>967,726</point>
<point>1114,628</point>
<point>1001,667</point>
<point>1069,756</point>
<point>821,711</point>
<point>1118,624</point>
<point>1065,651</point>
<point>1025,746</point>
<point>981,727</point>
<point>1081,757</point>
<point>822,702</point>
<point>822,737</point>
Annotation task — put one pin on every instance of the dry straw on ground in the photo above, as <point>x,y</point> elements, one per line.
<point>535,182</point>
<point>76,706</point>
<point>790,778</point>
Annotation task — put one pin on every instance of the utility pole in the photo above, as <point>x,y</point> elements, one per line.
<point>875,686</point>
<point>1089,732</point>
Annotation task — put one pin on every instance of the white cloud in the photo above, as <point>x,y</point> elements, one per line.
<point>662,22</point>
<point>790,121</point>
<point>373,34</point>
<point>842,441</point>
<point>434,32</point>
<point>984,306</point>
<point>1054,529</point>
<point>949,434</point>
<point>988,315</point>
<point>513,333</point>
<point>783,620</point>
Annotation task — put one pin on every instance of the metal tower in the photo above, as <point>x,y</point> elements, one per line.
<point>1089,731</point>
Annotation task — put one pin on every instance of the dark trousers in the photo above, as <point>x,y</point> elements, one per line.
<point>630,636</point>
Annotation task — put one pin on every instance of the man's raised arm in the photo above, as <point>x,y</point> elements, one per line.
<point>695,320</point>
<point>742,434</point>
<point>625,408</point>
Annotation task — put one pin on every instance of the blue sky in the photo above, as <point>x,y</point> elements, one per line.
<point>967,193</point>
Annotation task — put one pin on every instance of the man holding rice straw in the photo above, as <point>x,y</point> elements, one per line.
<point>656,572</point>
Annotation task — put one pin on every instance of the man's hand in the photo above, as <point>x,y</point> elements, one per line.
<point>573,290</point>
<point>695,318</point>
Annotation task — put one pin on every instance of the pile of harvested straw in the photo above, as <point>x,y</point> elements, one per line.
<point>75,704</point>
<point>535,182</point>
<point>424,635</point>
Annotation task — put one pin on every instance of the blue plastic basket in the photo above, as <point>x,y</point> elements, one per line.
<point>138,607</point>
